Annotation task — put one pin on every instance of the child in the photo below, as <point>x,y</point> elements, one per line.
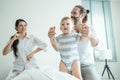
<point>67,44</point>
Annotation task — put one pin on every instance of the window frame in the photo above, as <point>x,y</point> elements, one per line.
<point>107,18</point>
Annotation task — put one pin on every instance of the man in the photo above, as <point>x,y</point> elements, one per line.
<point>90,42</point>
<point>87,45</point>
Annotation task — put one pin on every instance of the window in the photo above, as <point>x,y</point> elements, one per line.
<point>100,18</point>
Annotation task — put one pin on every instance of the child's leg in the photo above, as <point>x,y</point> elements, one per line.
<point>63,67</point>
<point>76,69</point>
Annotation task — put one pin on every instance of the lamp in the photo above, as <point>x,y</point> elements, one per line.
<point>106,55</point>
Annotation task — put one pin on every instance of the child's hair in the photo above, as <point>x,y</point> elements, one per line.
<point>67,18</point>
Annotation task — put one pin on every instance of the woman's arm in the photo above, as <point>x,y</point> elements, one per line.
<point>40,46</point>
<point>8,46</point>
<point>32,53</point>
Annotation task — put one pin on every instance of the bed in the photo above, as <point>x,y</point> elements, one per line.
<point>44,74</point>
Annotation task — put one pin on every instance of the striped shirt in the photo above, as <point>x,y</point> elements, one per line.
<point>68,45</point>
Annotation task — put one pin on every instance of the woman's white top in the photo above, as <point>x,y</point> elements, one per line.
<point>25,47</point>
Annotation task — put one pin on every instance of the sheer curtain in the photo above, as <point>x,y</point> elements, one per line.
<point>100,18</point>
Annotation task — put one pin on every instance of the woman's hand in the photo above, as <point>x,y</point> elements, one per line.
<point>29,57</point>
<point>8,46</point>
<point>16,36</point>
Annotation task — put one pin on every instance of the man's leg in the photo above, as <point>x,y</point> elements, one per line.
<point>89,73</point>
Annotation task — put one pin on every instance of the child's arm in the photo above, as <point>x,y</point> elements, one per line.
<point>51,35</point>
<point>54,44</point>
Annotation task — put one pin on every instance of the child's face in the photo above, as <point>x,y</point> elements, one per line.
<point>66,26</point>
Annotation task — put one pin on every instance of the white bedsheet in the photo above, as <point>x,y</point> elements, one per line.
<point>44,74</point>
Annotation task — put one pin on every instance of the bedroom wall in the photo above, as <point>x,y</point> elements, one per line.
<point>40,17</point>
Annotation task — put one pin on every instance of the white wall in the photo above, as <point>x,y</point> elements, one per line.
<point>40,16</point>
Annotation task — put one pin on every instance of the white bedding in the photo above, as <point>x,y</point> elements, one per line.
<point>44,74</point>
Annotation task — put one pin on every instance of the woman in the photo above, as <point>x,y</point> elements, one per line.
<point>22,45</point>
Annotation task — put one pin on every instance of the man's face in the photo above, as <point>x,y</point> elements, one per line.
<point>75,15</point>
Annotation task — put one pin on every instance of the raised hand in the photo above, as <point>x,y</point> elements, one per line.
<point>51,32</point>
<point>16,36</point>
<point>85,31</point>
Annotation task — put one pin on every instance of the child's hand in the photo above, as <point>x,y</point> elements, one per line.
<point>51,32</point>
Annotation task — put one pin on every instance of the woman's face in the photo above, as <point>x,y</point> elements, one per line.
<point>66,26</point>
<point>21,28</point>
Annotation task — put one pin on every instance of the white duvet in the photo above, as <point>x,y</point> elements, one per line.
<point>44,74</point>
